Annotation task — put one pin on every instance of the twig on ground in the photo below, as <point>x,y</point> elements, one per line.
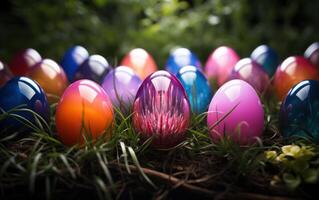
<point>169,179</point>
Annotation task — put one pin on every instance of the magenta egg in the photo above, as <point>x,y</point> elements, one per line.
<point>220,64</point>
<point>250,71</point>
<point>121,84</point>
<point>236,112</point>
<point>161,110</point>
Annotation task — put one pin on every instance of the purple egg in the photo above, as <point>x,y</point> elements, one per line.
<point>161,110</point>
<point>121,84</point>
<point>94,68</point>
<point>250,71</point>
<point>236,112</point>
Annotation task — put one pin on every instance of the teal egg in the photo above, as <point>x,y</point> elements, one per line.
<point>267,58</point>
<point>197,88</point>
<point>299,112</point>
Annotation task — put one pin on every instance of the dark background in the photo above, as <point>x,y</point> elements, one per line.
<point>113,27</point>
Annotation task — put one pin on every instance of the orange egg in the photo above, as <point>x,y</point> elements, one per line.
<point>51,78</point>
<point>292,71</point>
<point>84,111</point>
<point>140,61</point>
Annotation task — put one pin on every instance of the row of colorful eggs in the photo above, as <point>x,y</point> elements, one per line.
<point>161,110</point>
<point>170,119</point>
<point>222,65</point>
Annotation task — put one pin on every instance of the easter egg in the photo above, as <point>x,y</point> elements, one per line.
<point>312,54</point>
<point>161,110</point>
<point>292,71</point>
<point>299,112</point>
<point>140,61</point>
<point>72,59</point>
<point>250,71</point>
<point>23,61</point>
<point>236,112</point>
<point>22,92</point>
<point>121,84</point>
<point>181,57</point>
<point>5,74</point>
<point>220,64</point>
<point>51,78</point>
<point>267,58</point>
<point>94,68</point>
<point>197,88</point>
<point>84,113</point>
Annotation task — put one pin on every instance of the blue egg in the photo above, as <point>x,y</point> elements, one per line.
<point>181,57</point>
<point>95,67</point>
<point>22,92</point>
<point>299,112</point>
<point>267,58</point>
<point>197,88</point>
<point>72,59</point>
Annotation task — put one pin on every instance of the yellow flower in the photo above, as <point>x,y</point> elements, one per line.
<point>296,151</point>
<point>281,158</point>
<point>271,155</point>
<point>307,151</point>
<point>291,150</point>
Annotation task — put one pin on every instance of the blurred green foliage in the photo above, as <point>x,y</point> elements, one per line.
<point>113,27</point>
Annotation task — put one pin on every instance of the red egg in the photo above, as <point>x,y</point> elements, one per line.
<point>140,61</point>
<point>292,71</point>
<point>220,64</point>
<point>23,61</point>
<point>5,74</point>
<point>51,78</point>
<point>84,112</point>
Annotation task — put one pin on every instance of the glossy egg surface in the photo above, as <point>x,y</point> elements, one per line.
<point>197,88</point>
<point>161,110</point>
<point>84,112</point>
<point>236,112</point>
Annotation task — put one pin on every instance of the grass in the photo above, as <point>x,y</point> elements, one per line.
<point>37,165</point>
